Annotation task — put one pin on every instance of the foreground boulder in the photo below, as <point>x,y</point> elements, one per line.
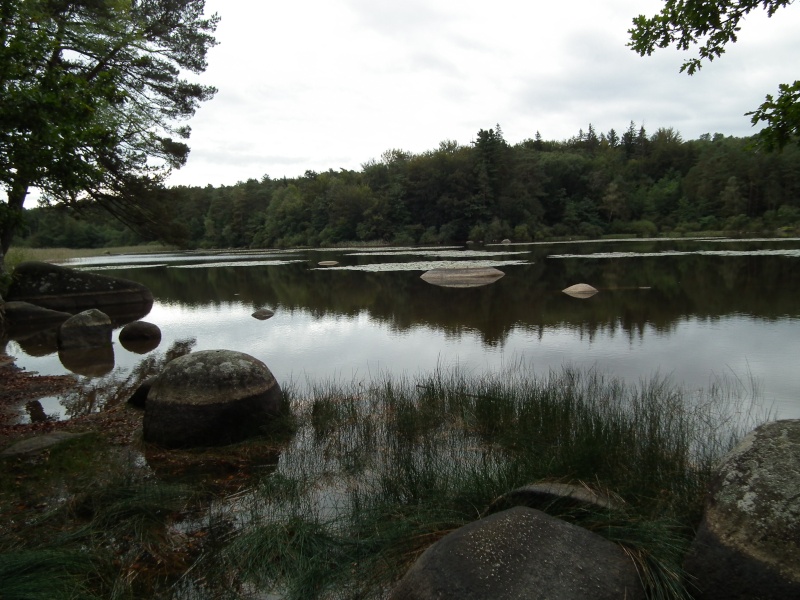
<point>68,290</point>
<point>521,553</point>
<point>209,398</point>
<point>748,545</point>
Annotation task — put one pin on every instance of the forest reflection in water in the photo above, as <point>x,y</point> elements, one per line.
<point>690,309</point>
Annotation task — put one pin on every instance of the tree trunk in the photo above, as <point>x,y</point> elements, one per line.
<point>12,219</point>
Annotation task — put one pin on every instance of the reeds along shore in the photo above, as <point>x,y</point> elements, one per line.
<point>377,470</point>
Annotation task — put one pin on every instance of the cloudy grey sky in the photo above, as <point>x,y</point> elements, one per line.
<point>330,84</point>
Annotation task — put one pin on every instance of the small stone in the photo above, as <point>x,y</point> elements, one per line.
<point>263,314</point>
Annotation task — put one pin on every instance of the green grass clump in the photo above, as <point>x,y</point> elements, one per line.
<point>45,575</point>
<point>380,470</point>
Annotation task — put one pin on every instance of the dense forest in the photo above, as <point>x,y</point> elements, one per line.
<point>590,185</point>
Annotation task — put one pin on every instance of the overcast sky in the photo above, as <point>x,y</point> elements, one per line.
<point>330,84</point>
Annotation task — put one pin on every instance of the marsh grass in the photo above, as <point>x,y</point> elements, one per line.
<point>381,469</point>
<point>377,470</point>
<point>18,254</point>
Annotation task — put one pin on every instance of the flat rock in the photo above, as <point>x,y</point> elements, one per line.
<point>748,544</point>
<point>521,553</point>
<point>567,495</point>
<point>462,278</point>
<point>39,443</point>
<point>69,290</point>
<point>24,318</point>
<point>580,290</point>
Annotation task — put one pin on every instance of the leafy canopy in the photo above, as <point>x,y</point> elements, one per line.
<point>711,25</point>
<point>93,101</point>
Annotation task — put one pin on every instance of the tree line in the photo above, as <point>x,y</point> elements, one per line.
<point>591,185</point>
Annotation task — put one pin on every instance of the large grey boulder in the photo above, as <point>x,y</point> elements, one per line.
<point>521,553</point>
<point>72,291</point>
<point>88,329</point>
<point>748,544</point>
<point>211,398</point>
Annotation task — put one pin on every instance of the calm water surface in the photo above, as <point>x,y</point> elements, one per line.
<point>691,309</point>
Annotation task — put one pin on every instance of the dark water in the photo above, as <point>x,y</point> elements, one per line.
<point>695,310</point>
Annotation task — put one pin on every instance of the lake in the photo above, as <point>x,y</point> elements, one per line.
<point>695,310</point>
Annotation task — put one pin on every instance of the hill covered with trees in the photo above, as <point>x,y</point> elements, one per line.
<point>593,184</point>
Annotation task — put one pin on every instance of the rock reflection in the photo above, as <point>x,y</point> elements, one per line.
<point>36,412</point>
<point>218,468</point>
<point>41,343</point>
<point>95,394</point>
<point>91,362</point>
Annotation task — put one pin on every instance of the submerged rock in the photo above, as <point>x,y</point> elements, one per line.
<point>748,544</point>
<point>209,398</point>
<point>521,553</point>
<point>24,319</point>
<point>39,443</point>
<point>462,278</point>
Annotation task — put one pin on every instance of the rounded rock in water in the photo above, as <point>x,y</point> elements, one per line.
<point>210,398</point>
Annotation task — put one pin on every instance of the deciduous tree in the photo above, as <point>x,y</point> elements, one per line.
<point>711,25</point>
<point>93,102</point>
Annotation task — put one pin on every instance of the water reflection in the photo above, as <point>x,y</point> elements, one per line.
<point>113,388</point>
<point>667,306</point>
